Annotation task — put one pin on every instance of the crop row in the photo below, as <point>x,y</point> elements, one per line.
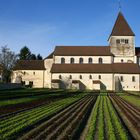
<point>63,124</point>
<point>132,99</point>
<point>15,94</point>
<point>36,102</point>
<point>129,113</point>
<point>104,123</point>
<point>11,126</point>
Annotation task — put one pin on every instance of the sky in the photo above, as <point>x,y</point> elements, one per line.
<point>43,24</point>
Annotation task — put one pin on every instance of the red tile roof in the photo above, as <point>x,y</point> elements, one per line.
<point>30,65</point>
<point>82,51</point>
<point>50,56</point>
<point>121,27</point>
<point>124,68</point>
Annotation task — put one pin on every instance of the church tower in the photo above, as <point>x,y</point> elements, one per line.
<point>122,40</point>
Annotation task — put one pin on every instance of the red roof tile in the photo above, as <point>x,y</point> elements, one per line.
<point>124,68</point>
<point>30,65</point>
<point>82,51</point>
<point>121,27</point>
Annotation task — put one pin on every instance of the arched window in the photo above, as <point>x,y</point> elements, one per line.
<point>99,76</point>
<point>81,60</point>
<point>62,60</point>
<point>133,79</point>
<point>90,76</point>
<point>100,60</point>
<point>129,61</point>
<point>70,76</point>
<point>60,77</point>
<point>72,60</point>
<point>80,76</point>
<point>90,60</point>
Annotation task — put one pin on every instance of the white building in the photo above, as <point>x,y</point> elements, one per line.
<point>113,67</point>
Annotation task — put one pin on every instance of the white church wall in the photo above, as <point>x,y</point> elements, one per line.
<point>127,59</point>
<point>47,78</point>
<point>116,51</point>
<point>127,83</point>
<point>95,59</point>
<point>106,79</point>
<point>35,76</point>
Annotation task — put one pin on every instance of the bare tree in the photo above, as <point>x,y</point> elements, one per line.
<point>7,60</point>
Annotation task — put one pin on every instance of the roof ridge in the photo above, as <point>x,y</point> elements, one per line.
<point>121,27</point>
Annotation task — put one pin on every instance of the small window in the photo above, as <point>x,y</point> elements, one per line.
<point>122,61</point>
<point>24,72</point>
<point>90,60</point>
<point>62,60</point>
<point>30,84</point>
<point>118,41</point>
<point>133,79</point>
<point>122,41</point>
<point>90,76</point>
<point>72,60</point>
<point>70,76</point>
<point>33,73</point>
<point>121,78</point>
<point>99,77</point>
<point>126,41</point>
<point>80,76</point>
<point>100,60</point>
<point>81,60</point>
<point>60,77</point>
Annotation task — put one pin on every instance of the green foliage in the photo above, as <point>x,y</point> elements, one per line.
<point>109,124</point>
<point>104,121</point>
<point>26,54</point>
<point>100,125</point>
<point>93,120</point>
<point>13,125</point>
<point>39,57</point>
<point>132,99</point>
<point>120,131</point>
<point>8,60</point>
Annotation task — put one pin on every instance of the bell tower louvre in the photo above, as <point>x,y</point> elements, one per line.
<point>122,38</point>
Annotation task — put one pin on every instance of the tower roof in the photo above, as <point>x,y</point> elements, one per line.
<point>121,27</point>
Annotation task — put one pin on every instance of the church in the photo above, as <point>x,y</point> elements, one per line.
<point>114,67</point>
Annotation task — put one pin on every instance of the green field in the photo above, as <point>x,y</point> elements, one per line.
<point>68,115</point>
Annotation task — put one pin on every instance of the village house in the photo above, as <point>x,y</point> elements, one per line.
<point>112,67</point>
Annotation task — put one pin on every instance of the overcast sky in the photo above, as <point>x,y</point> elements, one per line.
<point>43,24</point>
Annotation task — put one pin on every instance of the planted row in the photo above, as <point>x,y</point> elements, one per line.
<point>104,123</point>
<point>11,126</point>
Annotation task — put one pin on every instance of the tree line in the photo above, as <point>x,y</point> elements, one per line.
<point>8,60</point>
